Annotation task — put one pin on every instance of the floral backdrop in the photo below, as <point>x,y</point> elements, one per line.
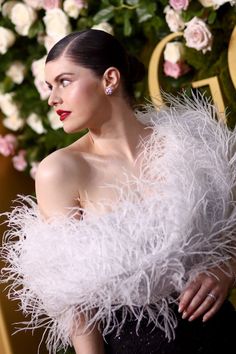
<point>29,28</point>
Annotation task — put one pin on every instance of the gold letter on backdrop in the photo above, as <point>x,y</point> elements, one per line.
<point>4,340</point>
<point>232,57</point>
<point>213,82</point>
<point>153,71</point>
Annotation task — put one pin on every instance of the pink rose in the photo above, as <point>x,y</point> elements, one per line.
<point>197,35</point>
<point>19,161</point>
<point>8,144</point>
<point>179,5</point>
<point>175,70</point>
<point>173,19</point>
<point>33,170</point>
<point>51,4</point>
<point>81,3</point>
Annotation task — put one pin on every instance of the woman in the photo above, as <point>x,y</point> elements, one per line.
<point>135,237</point>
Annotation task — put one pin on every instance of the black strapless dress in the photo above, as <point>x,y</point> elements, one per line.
<point>216,336</point>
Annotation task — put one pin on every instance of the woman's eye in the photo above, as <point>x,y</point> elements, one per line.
<point>64,82</point>
<point>49,86</point>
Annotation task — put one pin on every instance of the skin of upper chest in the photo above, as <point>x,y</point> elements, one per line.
<point>102,179</point>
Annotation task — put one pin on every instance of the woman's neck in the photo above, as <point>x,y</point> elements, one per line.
<point>120,134</point>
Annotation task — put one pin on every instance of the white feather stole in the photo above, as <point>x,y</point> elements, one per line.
<point>176,220</point>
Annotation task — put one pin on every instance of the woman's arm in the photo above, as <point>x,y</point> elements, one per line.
<point>57,192</point>
<point>92,343</point>
<point>56,186</point>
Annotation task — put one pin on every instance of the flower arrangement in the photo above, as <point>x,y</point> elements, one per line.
<point>29,28</point>
<point>201,52</point>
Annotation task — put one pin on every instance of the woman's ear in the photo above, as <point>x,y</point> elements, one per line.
<point>111,80</point>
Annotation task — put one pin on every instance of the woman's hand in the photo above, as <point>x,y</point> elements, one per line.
<point>205,294</point>
<point>91,343</point>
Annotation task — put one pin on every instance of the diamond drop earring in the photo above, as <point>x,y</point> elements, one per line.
<point>109,91</point>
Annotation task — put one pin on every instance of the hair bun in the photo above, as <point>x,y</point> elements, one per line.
<point>137,69</point>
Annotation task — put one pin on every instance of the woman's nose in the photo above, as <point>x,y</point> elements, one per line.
<point>54,99</point>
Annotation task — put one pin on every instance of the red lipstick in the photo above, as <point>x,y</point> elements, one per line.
<point>63,114</point>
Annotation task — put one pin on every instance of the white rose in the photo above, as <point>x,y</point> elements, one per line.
<point>37,68</point>
<point>104,26</point>
<point>13,122</point>
<point>35,123</point>
<point>42,88</point>
<point>6,8</point>
<point>174,52</point>
<point>16,72</point>
<point>23,16</point>
<point>206,3</point>
<point>7,39</point>
<point>54,120</point>
<point>197,35</point>
<point>57,23</point>
<point>218,3</point>
<point>39,82</point>
<point>72,8</point>
<point>49,42</point>
<point>36,4</point>
<point>7,106</point>
<point>173,19</point>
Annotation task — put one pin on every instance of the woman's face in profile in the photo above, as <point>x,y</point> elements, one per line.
<point>76,93</point>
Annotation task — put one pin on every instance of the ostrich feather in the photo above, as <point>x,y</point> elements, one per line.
<point>175,220</point>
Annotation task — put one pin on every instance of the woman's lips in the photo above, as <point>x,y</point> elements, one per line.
<point>63,114</point>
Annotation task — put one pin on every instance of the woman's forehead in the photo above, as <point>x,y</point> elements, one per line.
<point>64,65</point>
<point>61,64</point>
<point>62,61</point>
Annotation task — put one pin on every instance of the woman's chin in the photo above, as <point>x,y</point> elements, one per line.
<point>72,130</point>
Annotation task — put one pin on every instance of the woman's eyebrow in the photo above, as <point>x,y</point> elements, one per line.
<point>57,78</point>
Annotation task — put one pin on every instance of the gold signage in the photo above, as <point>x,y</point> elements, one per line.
<point>212,82</point>
<point>232,57</point>
<point>154,67</point>
<point>5,347</point>
<point>214,85</point>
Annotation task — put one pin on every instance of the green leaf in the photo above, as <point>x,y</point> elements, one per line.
<point>164,2</point>
<point>143,15</point>
<point>132,2</point>
<point>212,17</point>
<point>104,15</point>
<point>145,11</point>
<point>127,24</point>
<point>195,58</point>
<point>7,84</point>
<point>36,28</point>
<point>105,2</point>
<point>84,22</point>
<point>186,16</point>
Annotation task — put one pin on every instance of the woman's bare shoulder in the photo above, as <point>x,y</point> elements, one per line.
<point>65,161</point>
<point>55,163</point>
<point>58,181</point>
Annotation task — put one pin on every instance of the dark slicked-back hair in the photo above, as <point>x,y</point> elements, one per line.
<point>98,50</point>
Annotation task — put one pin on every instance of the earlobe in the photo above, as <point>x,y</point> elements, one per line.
<point>109,90</point>
<point>111,80</point>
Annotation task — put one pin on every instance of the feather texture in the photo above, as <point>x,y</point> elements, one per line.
<point>176,220</point>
